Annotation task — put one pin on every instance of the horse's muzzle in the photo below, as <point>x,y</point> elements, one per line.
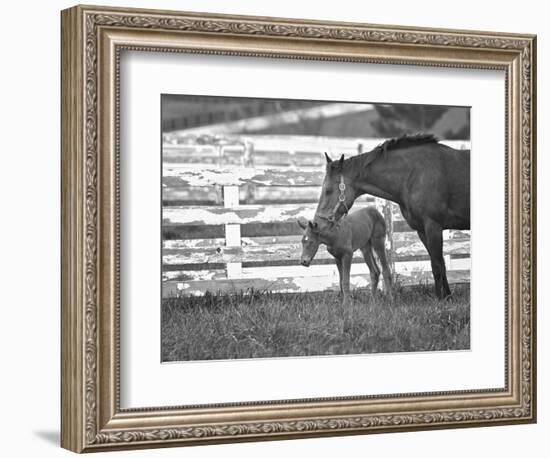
<point>306,262</point>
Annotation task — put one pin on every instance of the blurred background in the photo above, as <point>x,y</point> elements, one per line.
<point>305,117</point>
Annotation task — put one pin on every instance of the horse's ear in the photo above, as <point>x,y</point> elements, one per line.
<point>329,160</point>
<point>341,162</point>
<point>301,223</point>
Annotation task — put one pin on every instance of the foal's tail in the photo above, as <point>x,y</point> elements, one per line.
<point>378,224</point>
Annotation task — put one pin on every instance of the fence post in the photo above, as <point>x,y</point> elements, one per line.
<point>232,231</point>
<point>448,262</point>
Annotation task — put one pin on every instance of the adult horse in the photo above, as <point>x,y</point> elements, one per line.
<point>428,180</point>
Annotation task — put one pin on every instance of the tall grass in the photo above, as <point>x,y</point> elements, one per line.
<point>264,324</point>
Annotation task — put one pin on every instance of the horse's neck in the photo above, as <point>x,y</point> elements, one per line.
<point>382,178</point>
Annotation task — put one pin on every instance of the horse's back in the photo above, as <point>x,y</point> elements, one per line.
<point>442,183</point>
<point>451,165</point>
<point>457,165</point>
<point>456,175</point>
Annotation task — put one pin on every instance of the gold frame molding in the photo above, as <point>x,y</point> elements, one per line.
<point>92,39</point>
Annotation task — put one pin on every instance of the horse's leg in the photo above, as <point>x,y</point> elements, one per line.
<point>424,240</point>
<point>374,271</point>
<point>339,266</point>
<point>446,287</point>
<point>434,243</point>
<point>379,245</point>
<point>422,237</point>
<point>346,268</point>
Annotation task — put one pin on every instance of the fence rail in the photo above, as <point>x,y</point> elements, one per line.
<point>229,219</point>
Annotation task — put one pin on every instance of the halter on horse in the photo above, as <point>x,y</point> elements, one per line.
<point>331,217</point>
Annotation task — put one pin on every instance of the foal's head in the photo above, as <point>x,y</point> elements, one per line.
<point>337,193</point>
<point>310,241</point>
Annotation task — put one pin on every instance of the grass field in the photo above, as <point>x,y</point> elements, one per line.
<point>264,325</point>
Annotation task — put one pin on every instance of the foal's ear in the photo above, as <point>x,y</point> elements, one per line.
<point>301,223</point>
<point>329,160</point>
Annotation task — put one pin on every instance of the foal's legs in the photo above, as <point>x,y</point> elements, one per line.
<point>379,245</point>
<point>339,265</point>
<point>344,277</point>
<point>432,238</point>
<point>373,268</point>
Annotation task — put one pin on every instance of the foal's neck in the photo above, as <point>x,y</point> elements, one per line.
<point>331,235</point>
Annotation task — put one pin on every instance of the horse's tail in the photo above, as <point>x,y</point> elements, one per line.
<point>376,259</point>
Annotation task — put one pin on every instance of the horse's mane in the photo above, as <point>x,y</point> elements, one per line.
<point>402,141</point>
<point>407,140</point>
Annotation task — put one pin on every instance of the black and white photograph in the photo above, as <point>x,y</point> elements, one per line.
<point>275,229</point>
<point>295,228</point>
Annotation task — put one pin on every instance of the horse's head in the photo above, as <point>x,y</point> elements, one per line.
<point>310,241</point>
<point>337,193</point>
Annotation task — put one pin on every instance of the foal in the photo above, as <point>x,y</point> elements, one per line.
<point>363,230</point>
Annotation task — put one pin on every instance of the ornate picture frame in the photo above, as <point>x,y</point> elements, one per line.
<point>92,41</point>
